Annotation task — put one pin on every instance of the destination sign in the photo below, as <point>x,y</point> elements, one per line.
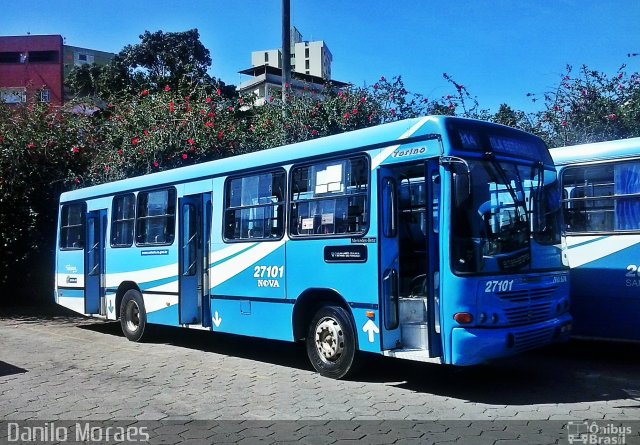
<point>504,142</point>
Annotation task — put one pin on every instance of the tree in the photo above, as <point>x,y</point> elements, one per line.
<point>42,150</point>
<point>591,106</point>
<point>102,81</point>
<point>175,59</point>
<point>170,58</point>
<point>514,118</point>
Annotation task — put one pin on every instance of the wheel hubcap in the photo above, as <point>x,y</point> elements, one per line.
<point>132,314</point>
<point>329,339</point>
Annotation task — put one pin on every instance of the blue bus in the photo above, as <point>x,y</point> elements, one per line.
<point>429,239</point>
<point>601,205</point>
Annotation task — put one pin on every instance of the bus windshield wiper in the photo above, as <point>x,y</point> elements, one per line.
<point>503,175</point>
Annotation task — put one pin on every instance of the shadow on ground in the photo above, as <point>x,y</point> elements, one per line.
<point>569,373</point>
<point>39,313</point>
<point>8,369</point>
<point>573,372</point>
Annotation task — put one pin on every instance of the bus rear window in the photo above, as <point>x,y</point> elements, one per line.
<point>156,217</point>
<point>72,226</point>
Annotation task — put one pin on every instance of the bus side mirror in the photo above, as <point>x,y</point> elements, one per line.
<point>461,188</point>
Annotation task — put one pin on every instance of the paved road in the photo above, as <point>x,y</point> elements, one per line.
<point>65,367</point>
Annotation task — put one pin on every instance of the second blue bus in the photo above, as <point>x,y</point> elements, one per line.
<point>601,202</point>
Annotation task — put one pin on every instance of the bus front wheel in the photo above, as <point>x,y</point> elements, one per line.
<point>331,342</point>
<point>133,317</point>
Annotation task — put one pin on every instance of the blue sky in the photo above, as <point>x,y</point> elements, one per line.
<point>499,49</point>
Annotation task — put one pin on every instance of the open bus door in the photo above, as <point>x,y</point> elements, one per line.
<point>409,258</point>
<point>433,202</point>
<point>94,259</point>
<point>389,260</point>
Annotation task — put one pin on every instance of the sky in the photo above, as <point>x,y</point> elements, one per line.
<point>500,50</point>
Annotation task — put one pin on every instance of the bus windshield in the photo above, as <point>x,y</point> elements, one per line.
<point>511,209</point>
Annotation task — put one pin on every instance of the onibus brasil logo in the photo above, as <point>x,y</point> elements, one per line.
<point>597,434</point>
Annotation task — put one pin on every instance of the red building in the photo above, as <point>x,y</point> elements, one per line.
<point>31,68</point>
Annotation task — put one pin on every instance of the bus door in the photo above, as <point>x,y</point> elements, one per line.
<point>194,223</point>
<point>94,259</point>
<point>409,218</point>
<point>434,292</point>
<point>389,261</point>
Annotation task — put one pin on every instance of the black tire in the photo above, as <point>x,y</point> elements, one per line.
<point>133,316</point>
<point>331,343</point>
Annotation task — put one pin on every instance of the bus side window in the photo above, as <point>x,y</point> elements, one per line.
<point>254,207</point>
<point>576,215</point>
<point>591,204</point>
<point>123,216</point>
<point>155,217</point>
<point>627,192</point>
<point>329,198</point>
<point>72,226</point>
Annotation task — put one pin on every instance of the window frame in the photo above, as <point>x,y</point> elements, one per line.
<point>17,95</point>
<point>366,195</point>
<point>44,57</point>
<point>114,221</point>
<point>389,203</point>
<point>565,199</point>
<point>44,95</point>
<point>12,57</point>
<point>189,257</point>
<point>83,222</point>
<point>171,201</point>
<point>227,197</point>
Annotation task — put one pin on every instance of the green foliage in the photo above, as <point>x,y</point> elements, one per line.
<point>514,118</point>
<point>590,107</point>
<point>395,102</point>
<point>176,59</point>
<point>313,114</point>
<point>102,81</point>
<point>161,130</point>
<point>40,149</point>
<point>170,58</point>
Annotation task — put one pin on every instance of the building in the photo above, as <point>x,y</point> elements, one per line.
<point>75,56</point>
<point>310,69</point>
<point>310,58</point>
<point>31,67</point>
<point>34,67</point>
<point>266,83</point>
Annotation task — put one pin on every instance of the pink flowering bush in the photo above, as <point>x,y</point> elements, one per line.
<point>43,151</point>
<point>166,129</point>
<point>590,106</point>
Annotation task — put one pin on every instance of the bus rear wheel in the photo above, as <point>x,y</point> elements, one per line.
<point>331,342</point>
<point>133,317</point>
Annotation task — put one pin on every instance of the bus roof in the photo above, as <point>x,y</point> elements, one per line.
<point>597,151</point>
<point>380,136</point>
<point>367,137</point>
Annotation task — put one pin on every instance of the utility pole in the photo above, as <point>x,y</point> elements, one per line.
<point>286,48</point>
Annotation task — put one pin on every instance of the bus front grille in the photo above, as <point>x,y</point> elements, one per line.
<point>531,313</point>
<point>527,295</point>
<point>523,341</point>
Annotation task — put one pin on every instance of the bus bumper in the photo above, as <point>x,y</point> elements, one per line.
<point>471,346</point>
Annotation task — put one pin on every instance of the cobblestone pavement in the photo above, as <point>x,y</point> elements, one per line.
<point>68,368</point>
